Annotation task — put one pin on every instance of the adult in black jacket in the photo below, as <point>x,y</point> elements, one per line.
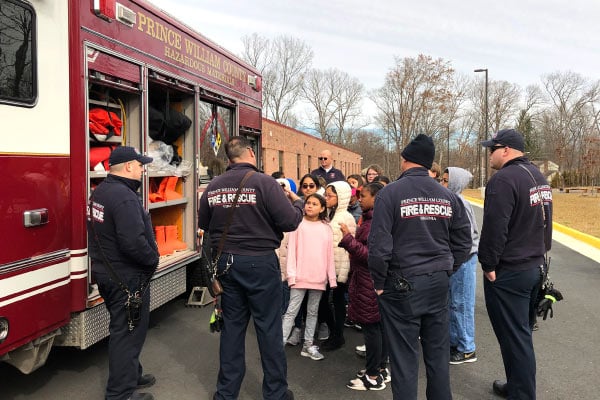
<point>250,277</point>
<point>118,223</point>
<point>516,233</point>
<point>419,234</point>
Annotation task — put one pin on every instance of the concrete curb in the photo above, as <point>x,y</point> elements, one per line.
<point>584,237</point>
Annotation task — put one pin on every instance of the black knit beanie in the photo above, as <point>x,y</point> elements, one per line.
<point>420,151</point>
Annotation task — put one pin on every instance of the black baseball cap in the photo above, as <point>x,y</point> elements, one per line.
<point>506,137</point>
<point>124,154</point>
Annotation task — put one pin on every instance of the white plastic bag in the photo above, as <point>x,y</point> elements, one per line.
<point>162,155</point>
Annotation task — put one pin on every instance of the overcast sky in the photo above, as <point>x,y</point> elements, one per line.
<point>517,40</point>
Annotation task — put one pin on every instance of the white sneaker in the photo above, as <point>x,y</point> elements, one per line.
<point>323,333</point>
<point>366,383</point>
<point>294,338</point>
<point>361,351</point>
<point>384,373</point>
<point>312,352</point>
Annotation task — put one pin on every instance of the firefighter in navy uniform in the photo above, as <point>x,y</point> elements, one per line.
<point>419,234</point>
<point>252,281</point>
<point>516,233</point>
<point>121,226</point>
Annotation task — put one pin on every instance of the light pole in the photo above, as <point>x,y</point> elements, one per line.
<point>484,159</point>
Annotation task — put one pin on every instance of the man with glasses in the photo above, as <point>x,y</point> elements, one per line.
<point>120,234</point>
<point>516,233</point>
<point>249,268</point>
<point>327,170</point>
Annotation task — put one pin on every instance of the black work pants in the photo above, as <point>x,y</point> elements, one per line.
<point>508,302</point>
<point>421,311</point>
<point>334,318</point>
<point>124,346</point>
<point>376,346</point>
<point>252,287</point>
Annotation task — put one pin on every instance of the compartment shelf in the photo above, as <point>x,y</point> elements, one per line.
<point>102,103</point>
<point>161,204</point>
<point>103,139</point>
<point>160,174</point>
<point>171,259</point>
<point>98,174</point>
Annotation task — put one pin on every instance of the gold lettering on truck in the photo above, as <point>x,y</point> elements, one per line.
<point>187,52</point>
<point>159,31</point>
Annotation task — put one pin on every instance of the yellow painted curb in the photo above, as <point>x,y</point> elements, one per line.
<point>583,237</point>
<point>474,200</point>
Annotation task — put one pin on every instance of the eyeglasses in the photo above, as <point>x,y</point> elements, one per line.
<point>494,148</point>
<point>308,185</point>
<point>329,195</point>
<point>323,158</point>
<point>444,180</point>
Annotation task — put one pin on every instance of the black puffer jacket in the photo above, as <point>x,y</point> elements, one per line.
<point>363,306</point>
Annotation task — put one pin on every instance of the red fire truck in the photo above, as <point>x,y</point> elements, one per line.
<point>63,63</point>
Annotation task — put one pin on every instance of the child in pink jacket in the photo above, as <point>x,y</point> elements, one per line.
<point>309,267</point>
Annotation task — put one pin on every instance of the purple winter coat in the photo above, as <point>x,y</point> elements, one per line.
<point>363,306</point>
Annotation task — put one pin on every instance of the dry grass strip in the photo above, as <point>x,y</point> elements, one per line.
<point>575,210</point>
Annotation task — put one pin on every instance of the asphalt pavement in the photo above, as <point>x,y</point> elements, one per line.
<point>183,354</point>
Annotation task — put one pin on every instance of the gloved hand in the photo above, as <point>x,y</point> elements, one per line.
<point>216,320</point>
<point>545,306</point>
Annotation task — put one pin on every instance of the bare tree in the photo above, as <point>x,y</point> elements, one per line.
<point>571,116</point>
<point>527,122</point>
<point>336,98</point>
<point>256,51</point>
<point>450,114</point>
<point>348,102</point>
<point>502,104</point>
<point>286,61</point>
<point>534,98</point>
<point>16,75</point>
<point>320,90</point>
<point>414,93</point>
<point>370,145</point>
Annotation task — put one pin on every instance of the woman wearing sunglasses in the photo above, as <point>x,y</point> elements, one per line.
<point>309,184</point>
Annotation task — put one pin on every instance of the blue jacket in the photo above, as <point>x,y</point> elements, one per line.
<point>355,210</point>
<point>123,227</point>
<point>418,227</point>
<point>262,215</point>
<point>513,234</point>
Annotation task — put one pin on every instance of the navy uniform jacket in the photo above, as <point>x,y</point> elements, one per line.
<point>123,227</point>
<point>513,235</point>
<point>264,212</point>
<point>333,175</point>
<point>418,227</point>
